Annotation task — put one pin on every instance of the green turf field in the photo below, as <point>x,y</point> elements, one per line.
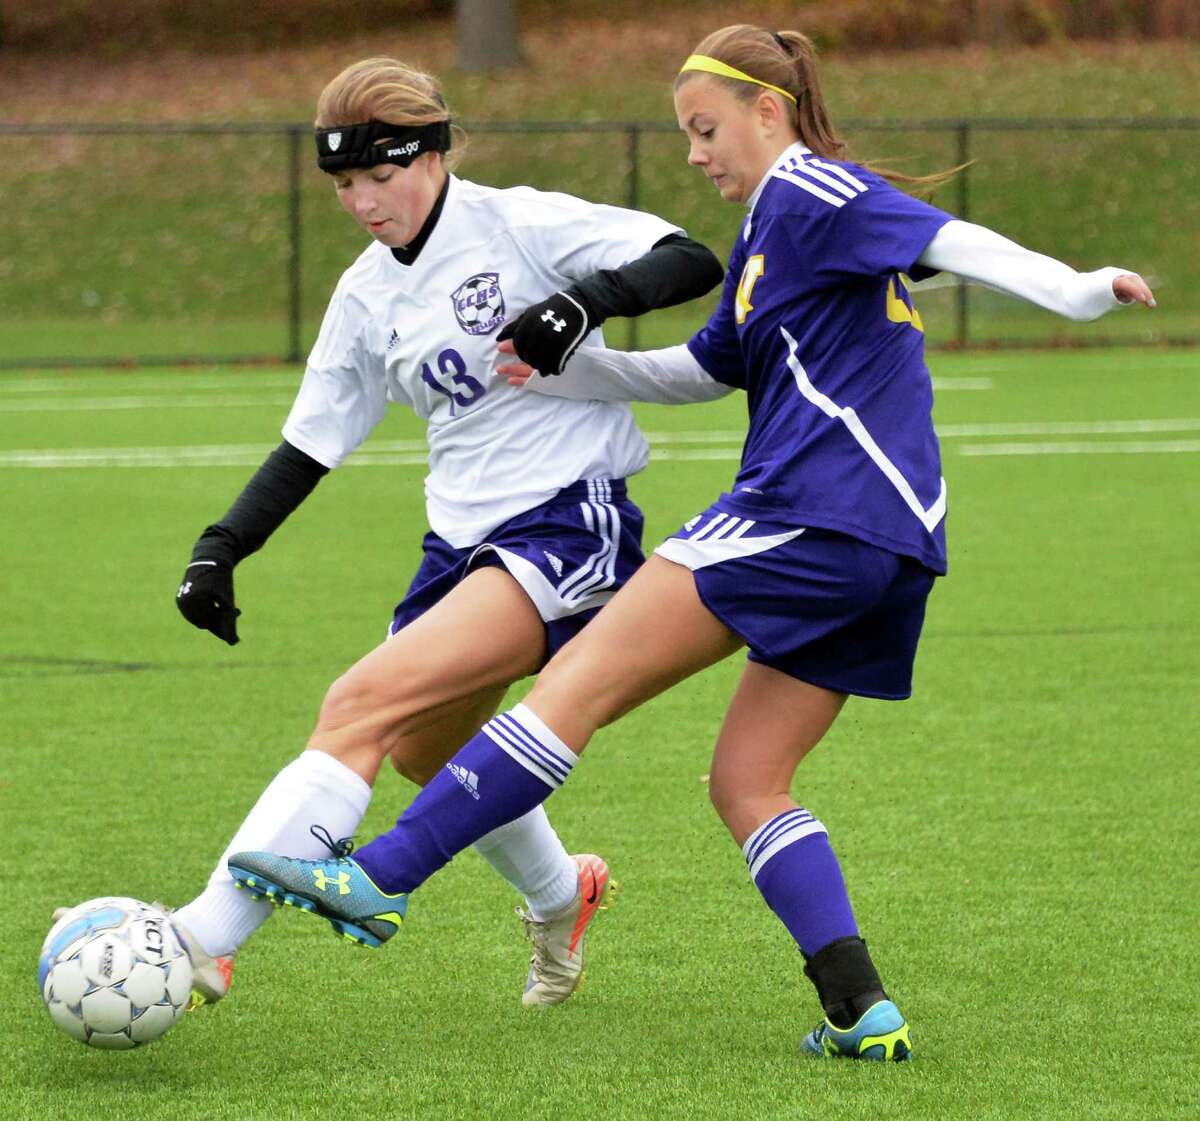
<point>1020,838</point>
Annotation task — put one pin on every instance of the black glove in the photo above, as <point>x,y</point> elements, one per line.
<point>547,334</point>
<point>205,599</point>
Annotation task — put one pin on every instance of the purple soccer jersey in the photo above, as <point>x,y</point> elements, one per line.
<point>816,324</point>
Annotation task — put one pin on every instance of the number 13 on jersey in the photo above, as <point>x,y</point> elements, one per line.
<point>451,364</point>
<point>755,267</point>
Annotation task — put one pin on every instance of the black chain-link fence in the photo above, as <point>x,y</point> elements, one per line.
<point>199,243</point>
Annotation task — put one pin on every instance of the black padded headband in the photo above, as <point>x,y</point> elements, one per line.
<point>358,145</point>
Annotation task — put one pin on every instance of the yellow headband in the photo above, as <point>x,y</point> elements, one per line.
<point>713,66</point>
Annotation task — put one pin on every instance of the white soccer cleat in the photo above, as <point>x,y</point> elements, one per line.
<point>211,977</point>
<point>556,967</point>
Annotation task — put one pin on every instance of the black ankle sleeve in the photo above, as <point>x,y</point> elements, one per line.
<point>844,974</point>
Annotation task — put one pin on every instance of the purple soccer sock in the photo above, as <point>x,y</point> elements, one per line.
<point>793,865</point>
<point>511,765</point>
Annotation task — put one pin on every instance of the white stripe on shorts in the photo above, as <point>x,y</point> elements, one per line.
<point>545,596</point>
<point>709,526</point>
<point>598,572</point>
<point>694,552</point>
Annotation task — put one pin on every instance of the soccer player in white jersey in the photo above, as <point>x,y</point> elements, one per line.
<point>531,530</point>
<point>820,558</point>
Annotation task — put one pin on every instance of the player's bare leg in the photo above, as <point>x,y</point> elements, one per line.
<point>418,755</point>
<point>562,894</point>
<point>434,678</point>
<point>483,636</point>
<point>772,723</point>
<point>652,634</point>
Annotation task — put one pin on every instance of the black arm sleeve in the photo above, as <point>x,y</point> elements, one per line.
<point>286,478</point>
<point>677,269</point>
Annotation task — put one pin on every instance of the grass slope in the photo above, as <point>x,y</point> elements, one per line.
<point>172,245</point>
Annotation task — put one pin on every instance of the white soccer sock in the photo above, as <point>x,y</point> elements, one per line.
<point>529,855</point>
<point>315,789</point>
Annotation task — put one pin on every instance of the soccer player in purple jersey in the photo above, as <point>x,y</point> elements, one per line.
<point>528,537</point>
<point>820,557</point>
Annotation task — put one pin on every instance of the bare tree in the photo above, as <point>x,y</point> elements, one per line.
<point>487,35</point>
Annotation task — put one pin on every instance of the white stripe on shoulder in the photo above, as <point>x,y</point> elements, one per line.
<point>853,180</point>
<point>805,185</point>
<point>826,181</point>
<point>813,169</point>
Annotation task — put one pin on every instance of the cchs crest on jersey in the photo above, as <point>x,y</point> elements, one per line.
<point>479,303</point>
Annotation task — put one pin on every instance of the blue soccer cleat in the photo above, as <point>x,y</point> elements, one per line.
<point>337,889</point>
<point>880,1034</point>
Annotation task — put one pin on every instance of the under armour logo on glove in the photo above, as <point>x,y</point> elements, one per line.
<point>205,599</point>
<point>547,334</point>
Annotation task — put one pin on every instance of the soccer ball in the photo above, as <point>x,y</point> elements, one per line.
<point>114,973</point>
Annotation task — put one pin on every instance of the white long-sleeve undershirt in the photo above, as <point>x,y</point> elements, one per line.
<point>981,255</point>
<point>671,376</point>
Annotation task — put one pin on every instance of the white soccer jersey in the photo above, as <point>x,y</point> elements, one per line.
<point>424,335</point>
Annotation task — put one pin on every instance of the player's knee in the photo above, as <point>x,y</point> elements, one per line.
<point>344,702</point>
<point>358,699</point>
<point>719,794</point>
<point>729,798</point>
<point>417,771</point>
<point>349,724</point>
<point>567,684</point>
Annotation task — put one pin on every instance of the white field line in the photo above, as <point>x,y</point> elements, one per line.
<point>109,404</point>
<point>381,453</point>
<point>167,457</point>
<point>677,446</point>
<point>1086,447</point>
<point>696,454</point>
<point>1068,428</point>
<point>26,384</point>
<point>941,385</point>
<point>158,395</point>
<point>729,436</point>
<point>720,444</point>
<point>1103,363</point>
<point>168,400</point>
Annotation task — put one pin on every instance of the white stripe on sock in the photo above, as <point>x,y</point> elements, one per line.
<point>536,727</point>
<point>525,750</point>
<point>777,834</point>
<point>525,739</point>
